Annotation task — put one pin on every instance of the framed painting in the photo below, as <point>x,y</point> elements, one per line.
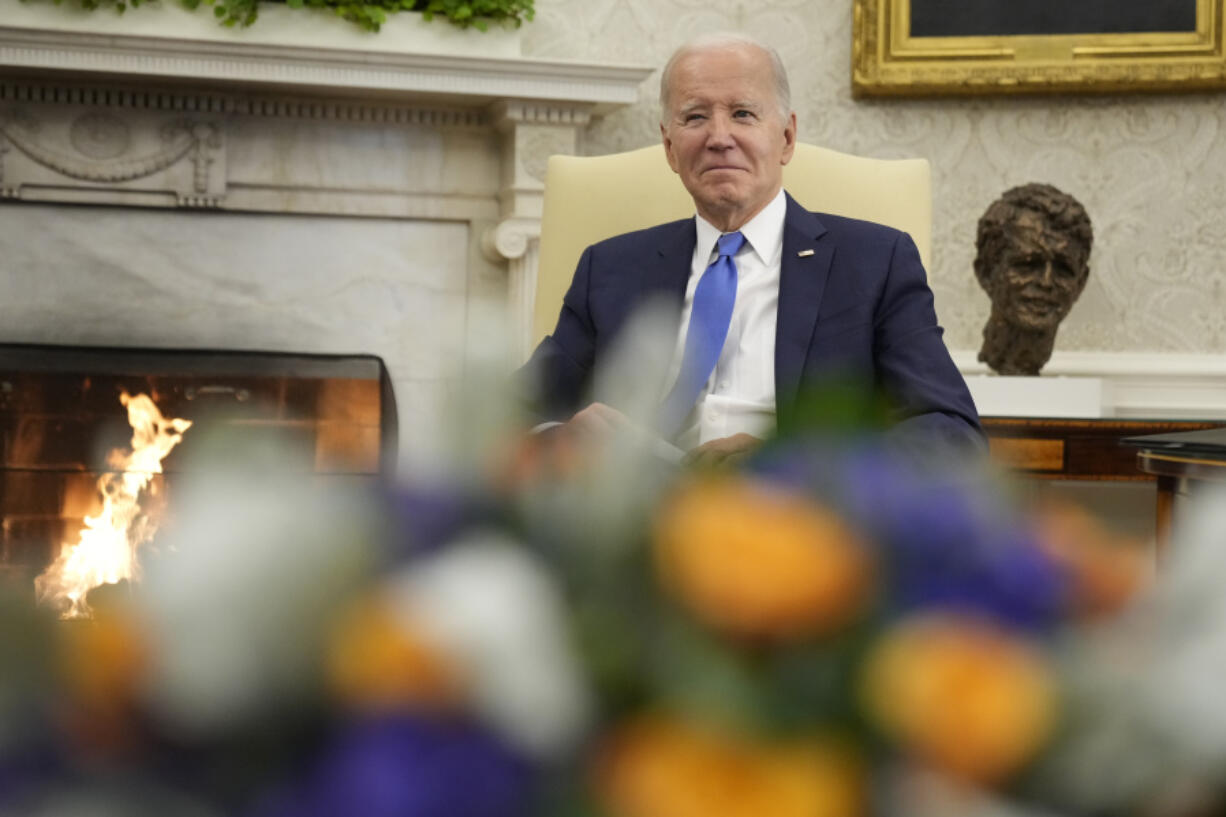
<point>933,47</point>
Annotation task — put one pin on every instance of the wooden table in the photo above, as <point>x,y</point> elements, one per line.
<point>1171,471</point>
<point>1089,449</point>
<point>1076,449</point>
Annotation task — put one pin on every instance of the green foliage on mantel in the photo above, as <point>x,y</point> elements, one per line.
<point>369,14</point>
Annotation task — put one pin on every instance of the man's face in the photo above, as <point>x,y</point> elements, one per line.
<point>724,133</point>
<point>1039,276</point>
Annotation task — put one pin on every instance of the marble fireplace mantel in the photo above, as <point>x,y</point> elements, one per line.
<point>160,109</point>
<point>333,192</point>
<point>410,59</point>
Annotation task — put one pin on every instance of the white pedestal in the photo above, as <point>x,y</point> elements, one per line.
<point>1041,396</point>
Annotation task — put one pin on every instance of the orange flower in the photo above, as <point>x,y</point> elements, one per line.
<point>1107,570</point>
<point>757,562</point>
<point>657,767</point>
<point>962,695</point>
<point>101,662</point>
<point>374,660</point>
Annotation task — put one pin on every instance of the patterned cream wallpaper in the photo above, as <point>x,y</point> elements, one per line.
<point>1150,170</point>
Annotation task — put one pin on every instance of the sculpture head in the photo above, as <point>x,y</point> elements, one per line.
<point>1033,256</point>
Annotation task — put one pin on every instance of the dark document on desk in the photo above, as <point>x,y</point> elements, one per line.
<point>1205,442</point>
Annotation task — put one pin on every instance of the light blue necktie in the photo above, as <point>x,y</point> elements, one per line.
<point>710,315</point>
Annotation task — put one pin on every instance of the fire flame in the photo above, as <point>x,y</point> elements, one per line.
<point>106,550</point>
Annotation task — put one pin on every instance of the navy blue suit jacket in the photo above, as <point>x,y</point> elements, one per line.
<point>858,307</point>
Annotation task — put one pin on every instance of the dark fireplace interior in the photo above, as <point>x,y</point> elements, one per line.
<point>61,415</point>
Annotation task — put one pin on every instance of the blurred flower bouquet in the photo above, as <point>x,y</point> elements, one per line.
<point>830,629</point>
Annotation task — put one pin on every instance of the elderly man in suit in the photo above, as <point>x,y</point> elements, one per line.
<point>771,298</point>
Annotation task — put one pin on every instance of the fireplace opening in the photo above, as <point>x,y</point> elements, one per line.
<point>65,426</point>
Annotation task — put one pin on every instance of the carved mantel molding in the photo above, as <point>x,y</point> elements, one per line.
<point>155,119</point>
<point>428,61</point>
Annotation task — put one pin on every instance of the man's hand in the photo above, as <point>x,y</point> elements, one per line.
<point>596,422</point>
<point>724,451</point>
<point>562,449</point>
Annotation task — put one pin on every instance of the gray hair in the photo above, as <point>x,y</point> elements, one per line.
<point>727,39</point>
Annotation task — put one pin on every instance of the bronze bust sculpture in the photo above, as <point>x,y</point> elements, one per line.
<point>1033,261</point>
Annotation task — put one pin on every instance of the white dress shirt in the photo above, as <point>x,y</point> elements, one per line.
<point>740,394</point>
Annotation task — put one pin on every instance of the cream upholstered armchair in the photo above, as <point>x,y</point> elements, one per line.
<point>588,199</point>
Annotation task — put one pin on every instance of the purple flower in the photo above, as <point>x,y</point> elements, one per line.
<point>944,538</point>
<point>28,772</point>
<point>426,517</point>
<point>399,765</point>
<point>951,544</point>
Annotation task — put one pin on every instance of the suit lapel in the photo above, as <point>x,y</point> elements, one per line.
<point>804,269</point>
<point>672,259</point>
<point>666,269</point>
<point>657,270</point>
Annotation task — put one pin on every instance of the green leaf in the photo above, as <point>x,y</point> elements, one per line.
<point>695,672</point>
<point>368,14</point>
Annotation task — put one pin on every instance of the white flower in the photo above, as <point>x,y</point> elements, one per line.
<point>236,603</point>
<point>494,610</point>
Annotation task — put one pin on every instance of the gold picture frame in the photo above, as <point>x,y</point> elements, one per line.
<point>888,61</point>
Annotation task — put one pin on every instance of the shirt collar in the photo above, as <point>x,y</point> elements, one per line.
<point>763,233</point>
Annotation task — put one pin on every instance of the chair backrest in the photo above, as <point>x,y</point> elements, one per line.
<point>588,199</point>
